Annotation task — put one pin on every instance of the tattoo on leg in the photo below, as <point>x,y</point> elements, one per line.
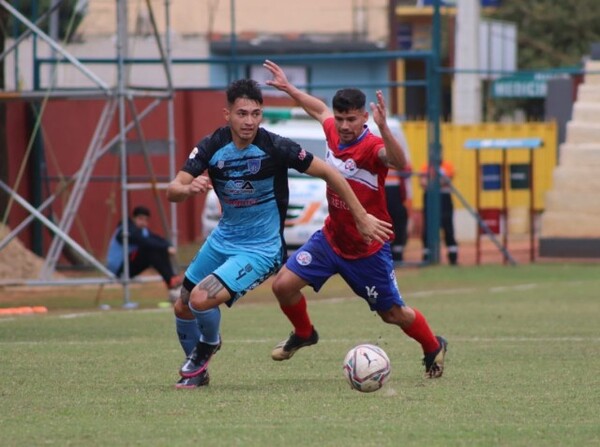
<point>185,296</point>
<point>212,286</point>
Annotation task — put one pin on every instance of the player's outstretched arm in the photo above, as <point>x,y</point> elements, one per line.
<point>392,154</point>
<point>312,105</point>
<point>185,185</point>
<point>368,225</point>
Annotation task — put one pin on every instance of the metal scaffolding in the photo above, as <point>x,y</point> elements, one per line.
<point>119,100</point>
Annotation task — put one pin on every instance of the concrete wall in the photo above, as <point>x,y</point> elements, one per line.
<point>574,204</point>
<point>68,76</point>
<point>204,17</point>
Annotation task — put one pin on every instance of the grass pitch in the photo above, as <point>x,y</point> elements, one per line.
<point>522,369</point>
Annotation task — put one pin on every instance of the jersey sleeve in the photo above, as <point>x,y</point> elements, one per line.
<point>197,161</point>
<point>331,135</point>
<point>290,153</point>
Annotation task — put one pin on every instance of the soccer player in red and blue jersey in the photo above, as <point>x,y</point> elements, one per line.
<point>367,266</point>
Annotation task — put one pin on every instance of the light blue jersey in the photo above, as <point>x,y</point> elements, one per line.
<point>252,187</point>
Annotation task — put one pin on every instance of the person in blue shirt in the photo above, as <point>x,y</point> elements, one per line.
<point>248,168</point>
<point>146,249</point>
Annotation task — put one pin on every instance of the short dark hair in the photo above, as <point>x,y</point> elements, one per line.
<point>141,211</point>
<point>244,88</point>
<point>348,99</point>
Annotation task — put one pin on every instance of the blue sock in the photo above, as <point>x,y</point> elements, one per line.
<point>188,333</point>
<point>209,322</point>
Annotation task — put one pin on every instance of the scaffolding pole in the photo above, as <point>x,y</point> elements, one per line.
<point>117,98</point>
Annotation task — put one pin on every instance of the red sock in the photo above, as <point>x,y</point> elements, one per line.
<point>298,316</point>
<point>420,331</point>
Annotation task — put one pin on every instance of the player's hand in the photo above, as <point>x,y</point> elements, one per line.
<point>280,80</point>
<point>379,110</point>
<point>373,229</point>
<point>199,185</point>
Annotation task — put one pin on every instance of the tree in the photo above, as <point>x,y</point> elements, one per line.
<point>552,33</point>
<point>69,16</point>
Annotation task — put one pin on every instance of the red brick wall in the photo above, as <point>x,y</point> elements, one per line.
<point>68,126</point>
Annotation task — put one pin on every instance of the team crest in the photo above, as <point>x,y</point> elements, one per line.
<point>193,153</point>
<point>221,164</point>
<point>254,165</point>
<point>304,258</point>
<point>350,165</point>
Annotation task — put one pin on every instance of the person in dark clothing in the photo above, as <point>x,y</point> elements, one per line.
<point>146,249</point>
<point>447,211</point>
<point>397,188</point>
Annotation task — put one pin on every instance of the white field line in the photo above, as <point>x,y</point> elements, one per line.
<point>423,293</point>
<point>271,341</point>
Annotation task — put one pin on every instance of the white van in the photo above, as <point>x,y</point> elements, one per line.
<point>307,207</point>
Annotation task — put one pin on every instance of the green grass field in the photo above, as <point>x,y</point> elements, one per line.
<point>522,369</point>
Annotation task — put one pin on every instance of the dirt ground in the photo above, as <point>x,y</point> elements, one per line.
<point>16,261</point>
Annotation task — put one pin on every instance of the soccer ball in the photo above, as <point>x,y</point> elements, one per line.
<point>367,368</point>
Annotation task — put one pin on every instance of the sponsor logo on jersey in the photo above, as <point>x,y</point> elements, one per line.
<point>239,187</point>
<point>304,258</point>
<point>254,165</point>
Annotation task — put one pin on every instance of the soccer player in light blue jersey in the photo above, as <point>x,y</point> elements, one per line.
<point>247,167</point>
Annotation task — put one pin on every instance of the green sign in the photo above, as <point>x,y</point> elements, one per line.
<point>519,87</point>
<point>524,85</point>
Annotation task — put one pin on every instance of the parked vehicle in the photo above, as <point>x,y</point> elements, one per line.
<point>307,208</point>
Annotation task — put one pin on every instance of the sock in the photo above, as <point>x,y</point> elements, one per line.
<point>420,331</point>
<point>188,333</point>
<point>299,318</point>
<point>209,322</point>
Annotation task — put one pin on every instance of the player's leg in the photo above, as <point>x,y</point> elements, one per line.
<point>374,279</point>
<point>287,288</point>
<point>226,284</point>
<point>188,334</point>
<point>188,330</point>
<point>415,325</point>
<point>204,302</point>
<point>310,265</point>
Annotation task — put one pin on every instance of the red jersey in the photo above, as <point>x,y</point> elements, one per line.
<point>364,171</point>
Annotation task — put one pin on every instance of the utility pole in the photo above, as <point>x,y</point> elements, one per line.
<point>466,88</point>
<point>3,142</point>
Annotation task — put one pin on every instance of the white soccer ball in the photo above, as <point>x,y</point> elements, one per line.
<point>367,368</point>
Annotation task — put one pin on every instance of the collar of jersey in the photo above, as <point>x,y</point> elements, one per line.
<point>362,135</point>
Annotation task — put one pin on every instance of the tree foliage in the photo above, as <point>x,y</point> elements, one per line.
<point>552,33</point>
<point>69,16</point>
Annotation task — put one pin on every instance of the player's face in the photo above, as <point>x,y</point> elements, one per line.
<point>244,117</point>
<point>350,124</point>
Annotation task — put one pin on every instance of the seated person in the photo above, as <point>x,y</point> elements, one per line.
<point>146,249</point>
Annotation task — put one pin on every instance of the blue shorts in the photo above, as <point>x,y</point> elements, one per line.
<point>372,278</point>
<point>239,272</point>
